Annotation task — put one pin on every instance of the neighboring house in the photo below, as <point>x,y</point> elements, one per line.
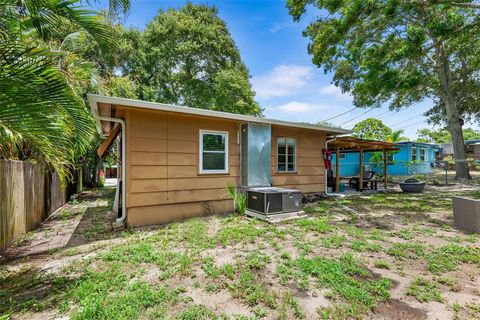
<point>412,158</point>
<point>177,161</point>
<point>472,147</point>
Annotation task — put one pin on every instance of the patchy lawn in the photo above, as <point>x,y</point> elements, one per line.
<point>380,256</point>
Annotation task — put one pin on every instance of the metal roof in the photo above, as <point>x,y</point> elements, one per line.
<point>356,144</point>
<point>94,99</point>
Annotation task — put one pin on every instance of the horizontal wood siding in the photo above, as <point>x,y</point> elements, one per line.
<point>163,179</point>
<point>310,171</point>
<point>157,214</point>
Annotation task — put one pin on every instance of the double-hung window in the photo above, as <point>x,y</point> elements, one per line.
<point>414,153</point>
<point>286,153</point>
<point>423,154</point>
<point>213,152</point>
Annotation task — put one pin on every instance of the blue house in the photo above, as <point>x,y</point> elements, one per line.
<point>412,158</point>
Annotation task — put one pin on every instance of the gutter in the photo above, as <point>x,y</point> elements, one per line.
<point>124,164</point>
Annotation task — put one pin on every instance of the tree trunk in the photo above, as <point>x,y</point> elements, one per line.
<point>96,174</point>
<point>87,181</point>
<point>454,120</point>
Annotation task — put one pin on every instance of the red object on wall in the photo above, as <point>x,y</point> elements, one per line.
<point>327,159</point>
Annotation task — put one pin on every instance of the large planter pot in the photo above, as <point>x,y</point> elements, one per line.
<point>466,214</point>
<point>412,186</point>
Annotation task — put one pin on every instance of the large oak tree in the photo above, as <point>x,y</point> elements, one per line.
<point>188,57</point>
<point>400,52</point>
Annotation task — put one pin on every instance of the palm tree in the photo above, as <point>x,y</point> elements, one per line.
<point>38,106</point>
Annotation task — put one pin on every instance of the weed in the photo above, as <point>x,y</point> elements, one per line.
<point>249,288</point>
<point>424,290</point>
<point>257,260</point>
<point>317,224</point>
<point>448,257</point>
<point>407,250</point>
<point>363,245</point>
<point>347,279</point>
<point>381,264</point>
<point>196,312</point>
<point>334,241</point>
<point>451,283</point>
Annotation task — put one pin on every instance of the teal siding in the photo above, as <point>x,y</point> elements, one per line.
<point>403,165</point>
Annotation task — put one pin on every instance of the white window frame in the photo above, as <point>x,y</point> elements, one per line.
<point>388,158</point>
<point>423,154</point>
<point>414,154</point>
<point>200,148</point>
<point>286,156</point>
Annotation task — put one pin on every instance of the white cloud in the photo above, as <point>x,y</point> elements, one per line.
<point>279,26</point>
<point>332,90</point>
<point>281,81</point>
<point>295,106</point>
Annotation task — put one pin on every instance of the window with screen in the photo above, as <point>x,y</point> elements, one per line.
<point>423,154</point>
<point>213,152</point>
<point>286,153</point>
<point>414,153</point>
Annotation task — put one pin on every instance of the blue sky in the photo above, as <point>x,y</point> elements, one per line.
<point>288,85</point>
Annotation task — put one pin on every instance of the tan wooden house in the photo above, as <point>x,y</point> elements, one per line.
<point>177,161</point>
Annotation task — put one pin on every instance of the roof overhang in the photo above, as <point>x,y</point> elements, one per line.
<point>95,100</point>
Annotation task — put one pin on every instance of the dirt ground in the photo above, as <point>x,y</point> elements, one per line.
<point>371,256</point>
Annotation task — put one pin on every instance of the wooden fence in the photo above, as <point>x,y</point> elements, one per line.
<point>28,195</point>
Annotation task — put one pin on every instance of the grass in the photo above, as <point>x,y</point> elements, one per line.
<point>271,270</point>
<point>349,280</point>
<point>424,290</point>
<point>448,258</point>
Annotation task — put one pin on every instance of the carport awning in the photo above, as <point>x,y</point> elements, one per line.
<point>356,144</point>
<point>107,143</point>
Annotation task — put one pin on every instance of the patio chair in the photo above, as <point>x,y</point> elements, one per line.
<point>354,182</point>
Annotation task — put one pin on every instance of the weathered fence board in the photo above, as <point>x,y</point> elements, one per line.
<point>28,194</point>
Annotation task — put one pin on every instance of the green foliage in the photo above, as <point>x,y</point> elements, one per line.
<point>400,53</point>
<point>424,290</point>
<point>188,57</point>
<point>316,224</point>
<point>443,136</point>
<point>349,280</point>
<point>239,199</point>
<point>42,83</point>
<point>410,250</point>
<point>372,129</point>
<point>381,264</point>
<point>447,258</point>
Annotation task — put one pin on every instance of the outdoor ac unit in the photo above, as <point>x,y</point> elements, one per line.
<point>273,200</point>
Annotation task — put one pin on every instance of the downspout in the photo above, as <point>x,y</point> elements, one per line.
<point>326,173</point>
<point>124,164</point>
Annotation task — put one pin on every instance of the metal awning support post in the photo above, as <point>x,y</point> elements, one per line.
<point>360,180</point>
<point>385,170</point>
<point>337,170</point>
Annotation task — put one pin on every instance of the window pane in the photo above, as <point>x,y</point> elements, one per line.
<point>291,142</point>
<point>290,159</point>
<point>281,150</point>
<point>213,142</point>
<point>281,158</point>
<point>291,150</point>
<point>281,167</point>
<point>291,167</point>
<point>213,161</point>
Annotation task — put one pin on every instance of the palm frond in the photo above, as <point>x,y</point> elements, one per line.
<point>37,104</point>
